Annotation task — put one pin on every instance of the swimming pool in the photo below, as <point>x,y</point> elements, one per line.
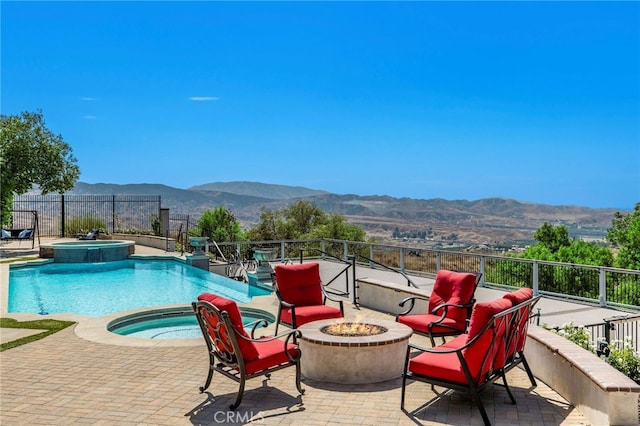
<point>97,289</point>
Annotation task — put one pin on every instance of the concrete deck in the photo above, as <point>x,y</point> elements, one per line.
<point>85,375</point>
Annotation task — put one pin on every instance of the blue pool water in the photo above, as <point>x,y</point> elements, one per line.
<point>97,289</point>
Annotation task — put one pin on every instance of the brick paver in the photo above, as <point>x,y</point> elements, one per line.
<point>65,379</point>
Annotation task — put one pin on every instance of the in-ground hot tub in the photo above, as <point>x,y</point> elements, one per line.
<point>174,323</point>
<point>354,358</point>
<point>87,251</point>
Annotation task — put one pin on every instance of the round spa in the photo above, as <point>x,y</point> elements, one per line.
<point>374,352</point>
<point>174,323</point>
<point>94,251</point>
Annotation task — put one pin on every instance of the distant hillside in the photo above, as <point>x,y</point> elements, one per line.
<point>261,190</point>
<point>486,221</point>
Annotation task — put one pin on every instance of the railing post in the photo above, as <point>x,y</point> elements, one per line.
<point>602,289</point>
<point>438,261</point>
<point>607,330</point>
<point>352,258</point>
<point>301,254</point>
<point>62,218</point>
<point>113,213</point>
<point>482,267</point>
<point>324,249</point>
<point>534,284</point>
<point>282,248</point>
<point>371,256</point>
<point>345,250</point>
<point>402,259</point>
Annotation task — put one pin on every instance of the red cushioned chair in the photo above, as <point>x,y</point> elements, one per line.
<point>474,360</point>
<point>235,354</point>
<point>450,305</point>
<point>301,296</point>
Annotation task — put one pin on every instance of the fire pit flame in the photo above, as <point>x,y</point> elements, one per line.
<point>353,329</point>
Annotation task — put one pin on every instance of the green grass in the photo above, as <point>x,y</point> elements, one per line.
<point>50,326</point>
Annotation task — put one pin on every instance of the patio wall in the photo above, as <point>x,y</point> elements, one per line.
<point>162,243</point>
<point>385,296</point>
<point>603,394</point>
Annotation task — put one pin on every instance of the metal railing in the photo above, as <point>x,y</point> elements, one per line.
<point>603,286</point>
<point>619,328</point>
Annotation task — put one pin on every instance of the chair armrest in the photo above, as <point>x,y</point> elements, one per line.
<point>412,301</point>
<point>254,325</point>
<point>287,336</point>
<point>445,308</point>
<point>328,296</point>
<point>435,349</point>
<point>285,304</point>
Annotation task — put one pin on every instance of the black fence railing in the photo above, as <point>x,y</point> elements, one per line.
<point>62,215</point>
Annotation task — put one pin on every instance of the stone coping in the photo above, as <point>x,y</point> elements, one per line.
<point>396,332</point>
<point>597,370</point>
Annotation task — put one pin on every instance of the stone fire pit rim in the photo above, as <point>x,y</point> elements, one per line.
<point>396,332</point>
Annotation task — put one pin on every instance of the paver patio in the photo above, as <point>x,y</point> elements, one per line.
<point>67,379</point>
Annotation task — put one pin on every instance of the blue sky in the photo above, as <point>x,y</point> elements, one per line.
<point>535,101</point>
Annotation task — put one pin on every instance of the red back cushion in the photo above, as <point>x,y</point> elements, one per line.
<point>481,355</point>
<point>299,284</point>
<point>518,296</point>
<point>453,287</point>
<point>520,324</point>
<point>249,352</point>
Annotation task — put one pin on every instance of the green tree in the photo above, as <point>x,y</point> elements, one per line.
<point>272,226</point>
<point>552,237</point>
<point>625,235</point>
<point>220,225</point>
<point>554,245</point>
<point>584,253</point>
<point>303,220</point>
<point>337,228</point>
<point>305,216</point>
<point>30,154</point>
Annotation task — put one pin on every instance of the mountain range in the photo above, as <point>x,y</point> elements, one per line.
<point>489,221</point>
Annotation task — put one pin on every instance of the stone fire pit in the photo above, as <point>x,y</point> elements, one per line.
<point>353,359</point>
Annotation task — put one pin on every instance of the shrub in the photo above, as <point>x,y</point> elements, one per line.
<point>621,355</point>
<point>624,359</point>
<point>83,224</point>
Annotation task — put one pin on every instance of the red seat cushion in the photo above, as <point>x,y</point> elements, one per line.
<point>443,366</point>
<point>300,284</point>
<point>270,354</point>
<point>518,296</point>
<point>420,323</point>
<point>305,314</point>
<point>248,349</point>
<point>453,287</point>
